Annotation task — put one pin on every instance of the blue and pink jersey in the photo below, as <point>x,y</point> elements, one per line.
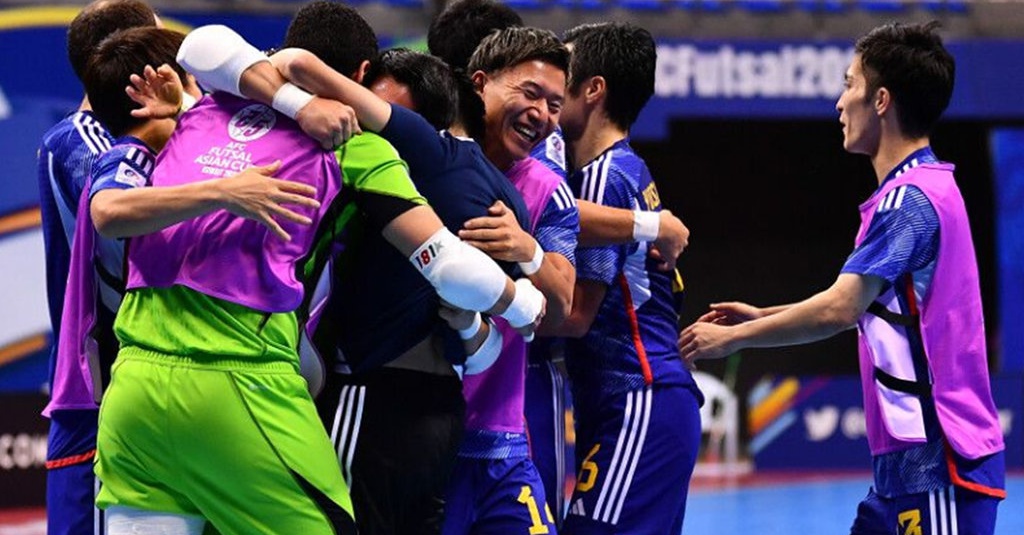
<point>922,344</point>
<point>495,422</point>
<point>93,284</point>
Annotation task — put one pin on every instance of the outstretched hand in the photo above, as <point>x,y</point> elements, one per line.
<point>158,91</point>
<point>255,194</point>
<point>704,340</point>
<point>731,313</point>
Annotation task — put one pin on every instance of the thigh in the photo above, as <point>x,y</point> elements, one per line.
<point>635,465</point>
<point>70,483</point>
<point>947,511</point>
<point>396,434</point>
<point>258,458</point>
<point>545,418</point>
<point>512,500</point>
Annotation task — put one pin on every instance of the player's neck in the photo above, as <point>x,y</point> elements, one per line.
<point>85,104</point>
<point>599,136</point>
<point>892,151</point>
<point>154,132</point>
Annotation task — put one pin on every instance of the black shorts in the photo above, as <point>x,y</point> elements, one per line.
<point>397,434</point>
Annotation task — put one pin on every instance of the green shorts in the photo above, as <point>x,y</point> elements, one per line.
<point>239,444</point>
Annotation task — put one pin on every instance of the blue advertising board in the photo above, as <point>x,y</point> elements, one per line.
<point>817,423</point>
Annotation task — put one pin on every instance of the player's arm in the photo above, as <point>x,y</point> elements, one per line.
<point>462,275</point>
<point>222,60</point>
<point>587,299</point>
<point>606,225</point>
<point>124,212</point>
<point>818,317</point>
<point>481,339</point>
<point>499,235</point>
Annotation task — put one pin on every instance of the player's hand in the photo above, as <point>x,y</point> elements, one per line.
<point>499,235</point>
<point>158,91</point>
<point>731,313</point>
<point>673,238</point>
<point>329,122</point>
<point>705,341</point>
<point>529,330</point>
<point>255,194</point>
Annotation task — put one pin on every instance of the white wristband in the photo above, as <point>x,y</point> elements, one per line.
<point>486,354</point>
<point>645,225</point>
<point>187,102</point>
<point>525,306</point>
<point>470,332</point>
<point>289,99</point>
<point>533,266</point>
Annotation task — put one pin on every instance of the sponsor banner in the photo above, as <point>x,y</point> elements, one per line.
<point>803,79</point>
<point>23,450</point>
<point>818,422</point>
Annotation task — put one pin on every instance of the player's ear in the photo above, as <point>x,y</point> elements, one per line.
<point>479,79</point>
<point>595,89</point>
<point>360,73</point>
<point>882,101</point>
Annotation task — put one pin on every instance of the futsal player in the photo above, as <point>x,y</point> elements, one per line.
<point>910,286</point>
<point>636,404</point>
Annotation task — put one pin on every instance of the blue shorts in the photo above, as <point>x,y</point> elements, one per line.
<point>70,484</point>
<point>545,404</point>
<point>496,496</point>
<point>635,454</point>
<point>949,511</point>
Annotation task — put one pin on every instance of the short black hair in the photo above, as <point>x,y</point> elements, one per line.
<point>910,61</point>
<point>335,33</point>
<point>625,56</point>
<point>510,47</point>
<point>100,20</point>
<point>456,32</point>
<point>431,83</point>
<point>119,56</point>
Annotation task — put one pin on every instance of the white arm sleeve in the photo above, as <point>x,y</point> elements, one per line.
<point>217,56</point>
<point>486,354</point>
<point>461,274</point>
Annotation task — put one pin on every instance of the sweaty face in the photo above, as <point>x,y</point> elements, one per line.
<point>857,113</point>
<point>389,89</point>
<point>522,104</point>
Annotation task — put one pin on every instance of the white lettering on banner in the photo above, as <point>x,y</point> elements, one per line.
<point>22,451</point>
<point>5,105</point>
<point>804,71</point>
<point>821,423</point>
<point>1006,421</point>
<point>854,424</point>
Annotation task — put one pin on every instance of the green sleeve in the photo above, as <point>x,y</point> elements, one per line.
<point>370,164</point>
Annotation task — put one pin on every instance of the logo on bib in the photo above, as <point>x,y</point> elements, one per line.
<point>251,122</point>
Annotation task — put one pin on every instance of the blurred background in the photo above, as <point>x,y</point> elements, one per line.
<point>743,139</point>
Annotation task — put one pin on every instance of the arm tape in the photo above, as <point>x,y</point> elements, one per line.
<point>461,274</point>
<point>487,353</point>
<point>217,57</point>
<point>645,225</point>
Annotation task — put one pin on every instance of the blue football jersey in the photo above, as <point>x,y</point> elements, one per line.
<point>632,341</point>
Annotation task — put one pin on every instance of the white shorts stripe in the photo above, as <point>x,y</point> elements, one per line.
<point>355,432</point>
<point>941,495</point>
<point>953,528</point>
<point>635,461</point>
<point>627,422</point>
<point>931,510</point>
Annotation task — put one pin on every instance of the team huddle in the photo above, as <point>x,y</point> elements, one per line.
<point>335,293</point>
